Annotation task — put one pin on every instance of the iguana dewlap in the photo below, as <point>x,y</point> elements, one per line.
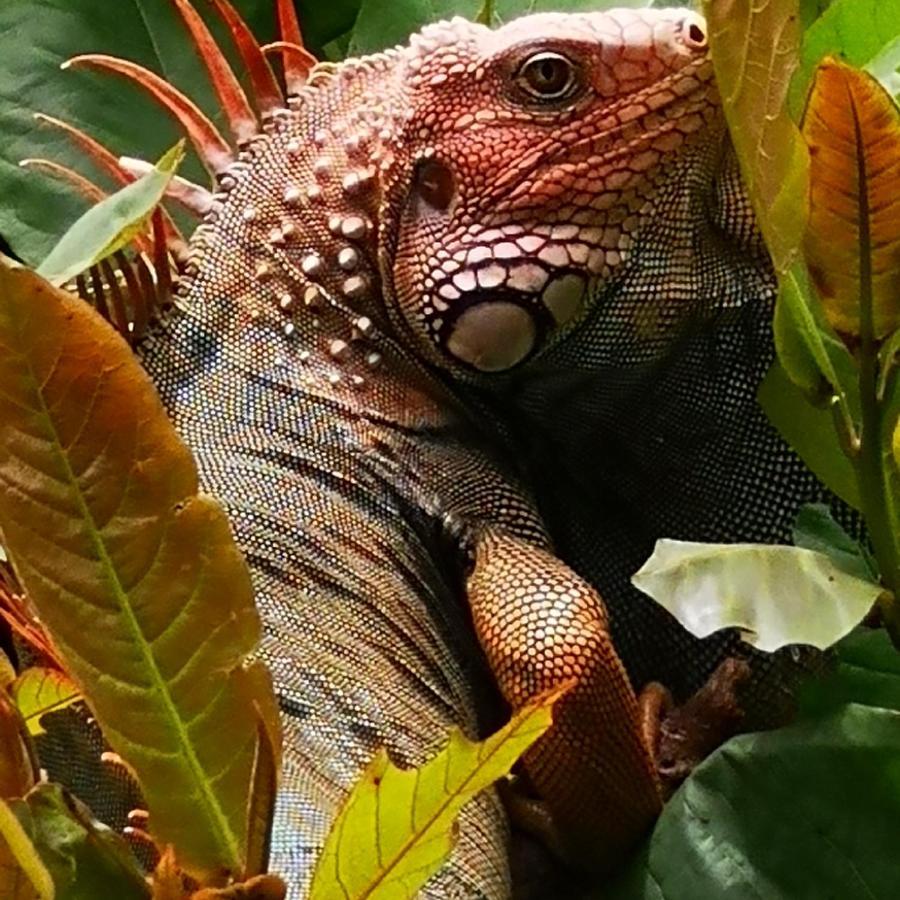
<point>467,327</point>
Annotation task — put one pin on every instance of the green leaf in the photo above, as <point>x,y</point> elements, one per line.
<point>810,431</point>
<point>85,859</point>
<point>38,691</point>
<point>776,595</point>
<point>807,346</point>
<point>815,528</point>
<point>396,826</point>
<point>36,36</point>
<point>135,576</point>
<point>111,224</point>
<point>754,48</point>
<point>808,811</point>
<point>862,32</point>
<point>867,671</point>
<point>23,876</point>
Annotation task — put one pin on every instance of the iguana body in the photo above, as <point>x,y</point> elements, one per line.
<point>472,317</point>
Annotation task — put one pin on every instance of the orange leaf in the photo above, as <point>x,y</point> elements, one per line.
<point>852,128</point>
<point>134,574</point>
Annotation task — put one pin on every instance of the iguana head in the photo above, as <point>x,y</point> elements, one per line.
<point>526,165</point>
<point>478,195</point>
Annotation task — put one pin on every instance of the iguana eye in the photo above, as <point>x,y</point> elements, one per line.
<point>547,76</point>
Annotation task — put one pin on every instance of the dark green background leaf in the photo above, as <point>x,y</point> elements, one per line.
<point>86,860</point>
<point>809,811</point>
<point>867,671</point>
<point>816,529</point>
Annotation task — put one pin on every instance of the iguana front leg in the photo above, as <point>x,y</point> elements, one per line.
<point>542,626</point>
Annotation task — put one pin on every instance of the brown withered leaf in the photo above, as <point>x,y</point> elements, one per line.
<point>260,887</point>
<point>134,574</point>
<point>17,769</point>
<point>170,882</point>
<point>852,128</point>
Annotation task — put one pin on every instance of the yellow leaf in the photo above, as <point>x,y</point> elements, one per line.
<point>396,827</point>
<point>852,128</point>
<point>755,49</point>
<point>38,691</point>
<point>23,876</point>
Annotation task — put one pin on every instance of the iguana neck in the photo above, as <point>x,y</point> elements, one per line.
<point>284,273</point>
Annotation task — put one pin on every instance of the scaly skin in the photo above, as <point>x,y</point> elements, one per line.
<point>454,351</point>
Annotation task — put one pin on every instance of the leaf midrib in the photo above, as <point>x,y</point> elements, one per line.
<point>216,816</point>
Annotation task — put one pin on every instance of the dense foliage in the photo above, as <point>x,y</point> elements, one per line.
<point>121,571</point>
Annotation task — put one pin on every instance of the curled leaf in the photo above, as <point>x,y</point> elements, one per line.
<point>775,595</point>
<point>111,224</point>
<point>18,768</point>
<point>852,128</point>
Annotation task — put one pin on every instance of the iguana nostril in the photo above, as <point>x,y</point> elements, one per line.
<point>693,31</point>
<point>435,184</point>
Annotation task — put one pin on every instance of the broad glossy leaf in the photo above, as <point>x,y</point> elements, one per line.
<point>36,36</point>
<point>85,859</point>
<point>396,826</point>
<point>23,876</point>
<point>38,691</point>
<point>111,224</point>
<point>861,32</point>
<point>801,812</point>
<point>775,595</point>
<point>853,130</point>
<point>867,671</point>
<point>815,528</point>
<point>135,575</point>
<point>754,48</point>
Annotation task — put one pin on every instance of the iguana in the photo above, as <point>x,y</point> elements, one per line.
<point>468,325</point>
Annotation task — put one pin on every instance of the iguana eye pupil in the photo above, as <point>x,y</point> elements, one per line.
<point>547,76</point>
